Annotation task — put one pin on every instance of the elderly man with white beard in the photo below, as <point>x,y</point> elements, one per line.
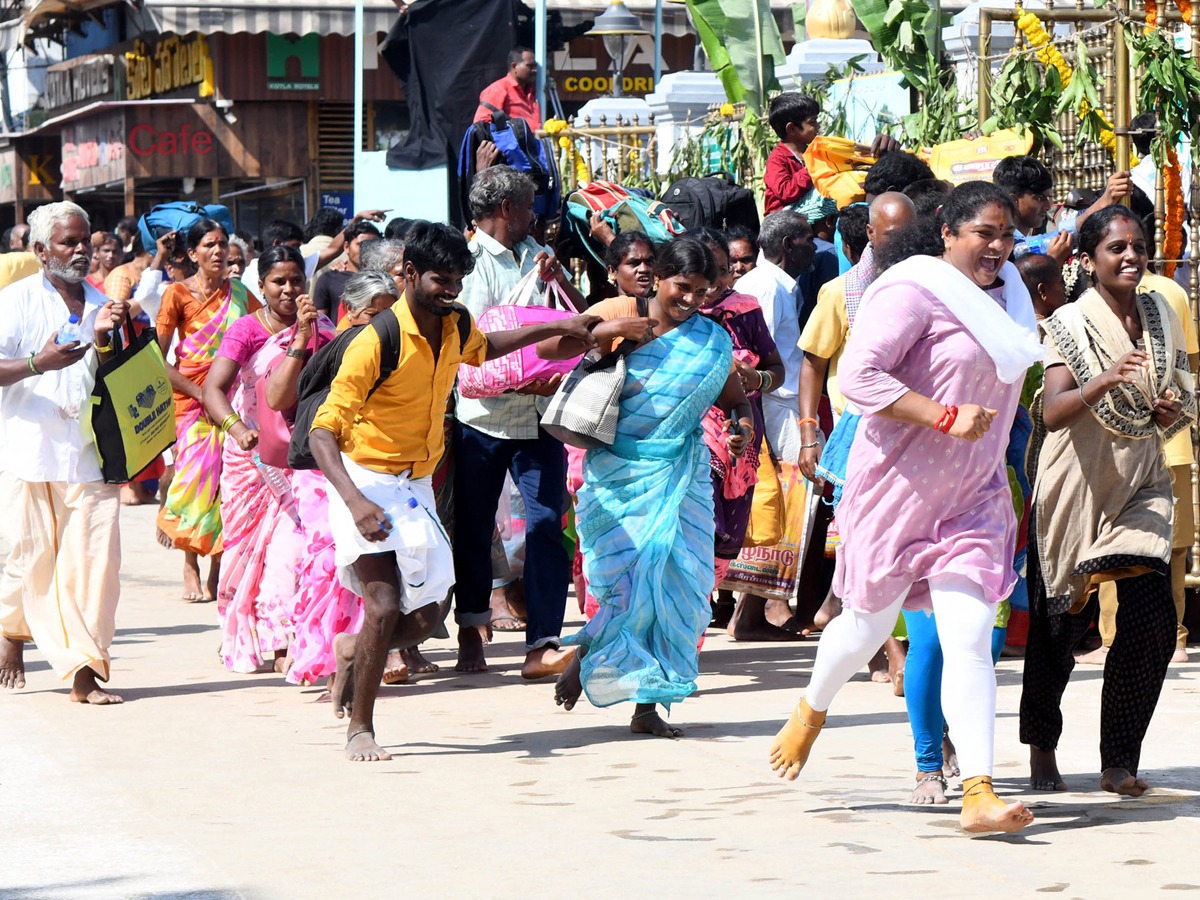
<point>60,585</point>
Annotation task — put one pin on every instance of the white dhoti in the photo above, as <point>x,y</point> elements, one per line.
<point>424,559</point>
<point>781,418</point>
<point>60,585</point>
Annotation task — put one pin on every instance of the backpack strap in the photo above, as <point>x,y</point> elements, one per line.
<point>499,116</point>
<point>387,326</point>
<point>464,326</point>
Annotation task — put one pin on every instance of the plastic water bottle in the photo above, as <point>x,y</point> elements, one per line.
<point>278,484</point>
<point>1039,243</point>
<point>69,333</point>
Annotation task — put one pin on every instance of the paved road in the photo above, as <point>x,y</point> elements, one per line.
<point>211,785</point>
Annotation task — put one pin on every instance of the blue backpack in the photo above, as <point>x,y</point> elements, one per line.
<point>179,216</point>
<point>522,150</point>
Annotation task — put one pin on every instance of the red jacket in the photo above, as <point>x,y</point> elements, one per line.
<point>786,179</point>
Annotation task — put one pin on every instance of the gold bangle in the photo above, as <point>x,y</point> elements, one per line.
<point>230,420</point>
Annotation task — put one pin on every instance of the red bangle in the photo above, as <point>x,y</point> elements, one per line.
<point>946,422</point>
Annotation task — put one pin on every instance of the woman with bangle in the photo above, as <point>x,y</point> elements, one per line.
<point>324,608</point>
<point>760,369</point>
<point>926,513</point>
<point>199,309</point>
<point>645,513</point>
<point>1117,385</point>
<point>263,540</point>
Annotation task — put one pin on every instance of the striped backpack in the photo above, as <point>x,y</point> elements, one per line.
<point>623,210</point>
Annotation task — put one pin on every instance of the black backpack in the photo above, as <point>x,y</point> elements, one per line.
<point>317,376</point>
<point>715,201</point>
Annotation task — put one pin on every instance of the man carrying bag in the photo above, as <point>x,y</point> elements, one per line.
<point>61,584</point>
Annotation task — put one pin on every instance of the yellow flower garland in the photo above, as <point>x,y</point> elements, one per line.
<point>1049,56</point>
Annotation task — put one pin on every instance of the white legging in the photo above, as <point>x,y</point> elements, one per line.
<point>964,623</point>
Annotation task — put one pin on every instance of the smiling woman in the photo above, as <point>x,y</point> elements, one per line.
<point>926,515</point>
<point>1117,386</point>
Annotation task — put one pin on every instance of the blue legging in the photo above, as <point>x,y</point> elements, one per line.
<point>923,686</point>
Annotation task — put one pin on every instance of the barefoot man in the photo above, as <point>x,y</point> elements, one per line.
<point>59,587</point>
<point>378,445</point>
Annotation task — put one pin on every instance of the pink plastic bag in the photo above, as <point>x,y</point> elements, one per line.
<point>517,369</point>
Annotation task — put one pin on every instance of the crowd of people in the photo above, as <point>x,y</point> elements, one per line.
<point>1007,432</point>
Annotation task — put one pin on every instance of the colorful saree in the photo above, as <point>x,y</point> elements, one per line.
<point>256,597</point>
<point>191,516</point>
<point>645,521</point>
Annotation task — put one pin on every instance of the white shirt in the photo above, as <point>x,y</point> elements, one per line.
<point>46,418</point>
<point>250,276</point>
<point>497,271</point>
<point>775,291</point>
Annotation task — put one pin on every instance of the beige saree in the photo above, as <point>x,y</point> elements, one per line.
<point>1102,496</point>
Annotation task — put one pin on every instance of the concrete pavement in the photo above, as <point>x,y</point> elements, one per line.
<point>206,784</point>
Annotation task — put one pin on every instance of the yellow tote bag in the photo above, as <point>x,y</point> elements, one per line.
<point>766,515</point>
<point>133,410</point>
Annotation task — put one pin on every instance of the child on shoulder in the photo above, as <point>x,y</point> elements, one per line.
<point>793,116</point>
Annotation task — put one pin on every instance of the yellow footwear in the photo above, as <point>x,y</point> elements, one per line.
<point>793,743</point>
<point>983,812</point>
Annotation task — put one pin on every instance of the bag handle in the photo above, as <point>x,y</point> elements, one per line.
<point>522,292</point>
<point>556,291</point>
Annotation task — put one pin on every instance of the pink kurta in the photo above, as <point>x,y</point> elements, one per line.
<point>919,503</point>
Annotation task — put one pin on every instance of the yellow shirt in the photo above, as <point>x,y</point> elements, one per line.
<point>17,265</point>
<point>826,332</point>
<point>400,426</point>
<point>1178,450</point>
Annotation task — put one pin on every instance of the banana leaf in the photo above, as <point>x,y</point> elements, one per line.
<point>727,33</point>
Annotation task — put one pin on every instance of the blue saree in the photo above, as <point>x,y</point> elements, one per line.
<point>645,523</point>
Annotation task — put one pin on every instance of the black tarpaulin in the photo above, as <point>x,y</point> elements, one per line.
<point>445,52</point>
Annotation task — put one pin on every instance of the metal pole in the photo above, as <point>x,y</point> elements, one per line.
<point>984,69</point>
<point>1121,113</point>
<point>658,28</point>
<point>539,52</point>
<point>359,61</point>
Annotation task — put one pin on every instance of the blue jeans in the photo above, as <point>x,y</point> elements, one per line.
<point>539,470</point>
<point>923,686</point>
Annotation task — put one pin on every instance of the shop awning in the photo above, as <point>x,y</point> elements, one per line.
<point>275,16</point>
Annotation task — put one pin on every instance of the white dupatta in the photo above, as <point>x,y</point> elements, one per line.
<point>1008,334</point>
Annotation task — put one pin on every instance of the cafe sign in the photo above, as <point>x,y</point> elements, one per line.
<point>168,65</point>
<point>80,80</point>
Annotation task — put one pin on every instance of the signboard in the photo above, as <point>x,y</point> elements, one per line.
<point>583,69</point>
<point>93,152</point>
<point>293,62</point>
<point>974,160</point>
<point>80,80</point>
<point>195,141</point>
<point>870,103</point>
<point>8,176</point>
<point>342,201</point>
<point>168,65</point>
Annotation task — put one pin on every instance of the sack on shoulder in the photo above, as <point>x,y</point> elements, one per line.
<point>133,408</point>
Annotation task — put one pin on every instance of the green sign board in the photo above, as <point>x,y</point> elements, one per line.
<point>293,63</point>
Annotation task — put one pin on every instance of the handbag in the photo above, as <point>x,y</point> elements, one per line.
<point>133,408</point>
<point>767,509</point>
<point>521,367</point>
<point>584,410</point>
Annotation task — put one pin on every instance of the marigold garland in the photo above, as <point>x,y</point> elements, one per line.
<point>1185,9</point>
<point>1173,224</point>
<point>1152,14</point>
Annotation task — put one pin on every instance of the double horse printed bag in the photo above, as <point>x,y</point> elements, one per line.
<point>133,411</point>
